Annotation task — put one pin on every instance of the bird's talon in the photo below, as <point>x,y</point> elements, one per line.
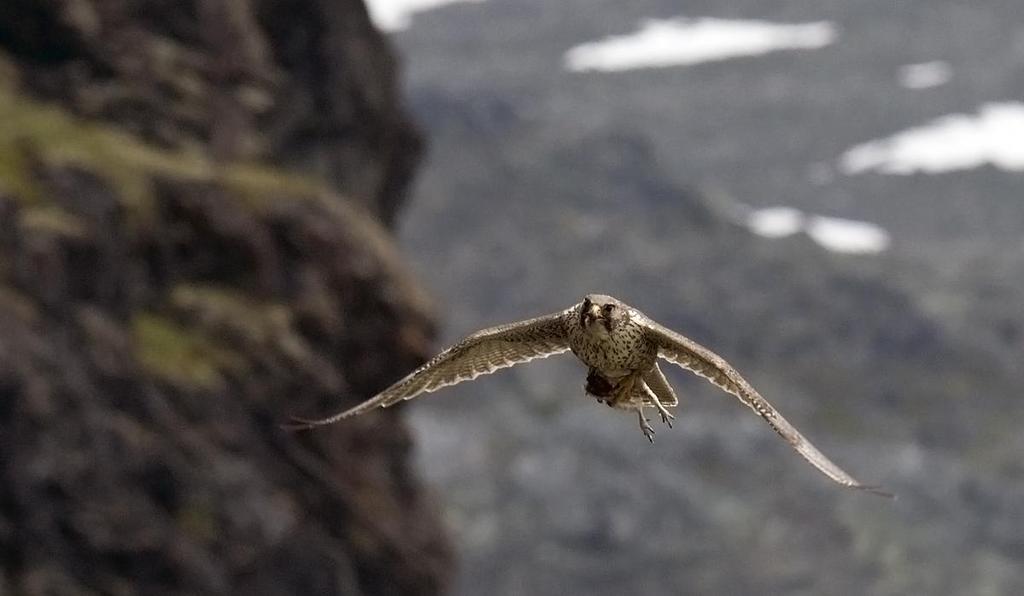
<point>646,428</point>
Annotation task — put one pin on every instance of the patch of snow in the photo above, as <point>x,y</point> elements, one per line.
<point>395,15</point>
<point>776,222</point>
<point>956,142</point>
<point>925,75</point>
<point>832,233</point>
<point>680,42</point>
<point>847,235</point>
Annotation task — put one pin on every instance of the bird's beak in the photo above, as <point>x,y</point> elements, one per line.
<point>591,314</point>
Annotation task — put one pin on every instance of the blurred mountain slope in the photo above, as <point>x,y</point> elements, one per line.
<point>171,287</point>
<point>903,377</point>
<point>904,367</point>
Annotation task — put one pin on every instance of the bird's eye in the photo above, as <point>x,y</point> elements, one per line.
<point>608,308</point>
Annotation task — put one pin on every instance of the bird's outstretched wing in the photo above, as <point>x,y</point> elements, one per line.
<point>692,356</point>
<point>479,354</point>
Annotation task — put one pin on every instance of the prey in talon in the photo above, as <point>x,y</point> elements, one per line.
<point>606,391</point>
<point>620,346</point>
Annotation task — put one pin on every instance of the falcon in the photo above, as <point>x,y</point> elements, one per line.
<point>619,345</point>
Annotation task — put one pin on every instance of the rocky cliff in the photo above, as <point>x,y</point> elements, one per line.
<point>193,200</point>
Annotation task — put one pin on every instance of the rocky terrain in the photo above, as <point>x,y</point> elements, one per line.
<point>193,201</point>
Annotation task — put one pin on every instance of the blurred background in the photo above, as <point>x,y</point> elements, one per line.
<point>829,194</point>
<point>217,213</point>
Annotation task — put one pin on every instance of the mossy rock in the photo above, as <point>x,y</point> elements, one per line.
<point>262,323</point>
<point>31,130</point>
<point>182,355</point>
<point>53,220</point>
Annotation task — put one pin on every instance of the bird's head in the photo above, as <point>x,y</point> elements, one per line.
<point>608,312</point>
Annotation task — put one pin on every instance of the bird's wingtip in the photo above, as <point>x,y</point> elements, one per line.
<point>876,490</point>
<point>298,424</point>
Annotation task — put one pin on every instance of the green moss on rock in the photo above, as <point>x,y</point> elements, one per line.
<point>127,164</point>
<point>260,323</point>
<point>181,355</point>
<point>51,219</point>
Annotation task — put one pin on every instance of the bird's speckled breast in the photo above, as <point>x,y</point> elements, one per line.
<point>616,353</point>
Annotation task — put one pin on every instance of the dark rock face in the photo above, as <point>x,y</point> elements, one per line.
<point>306,83</point>
<point>165,303</point>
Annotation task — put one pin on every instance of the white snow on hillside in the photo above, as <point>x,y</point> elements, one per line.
<point>832,233</point>
<point>995,136</point>
<point>775,222</point>
<point>395,15</point>
<point>680,42</point>
<point>847,235</point>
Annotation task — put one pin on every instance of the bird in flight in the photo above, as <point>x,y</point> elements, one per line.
<point>620,346</point>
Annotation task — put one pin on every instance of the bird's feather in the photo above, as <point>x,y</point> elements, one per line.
<point>481,353</point>
<point>692,356</point>
<point>656,380</point>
